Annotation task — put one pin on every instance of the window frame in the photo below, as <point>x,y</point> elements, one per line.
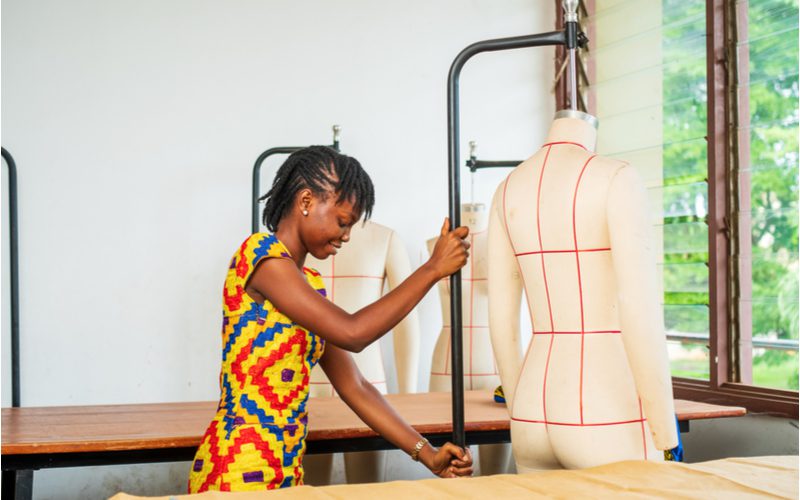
<point>730,373</point>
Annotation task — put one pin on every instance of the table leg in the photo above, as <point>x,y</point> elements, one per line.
<point>17,484</point>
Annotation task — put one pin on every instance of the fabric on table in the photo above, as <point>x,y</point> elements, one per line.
<point>731,478</point>
<point>257,438</point>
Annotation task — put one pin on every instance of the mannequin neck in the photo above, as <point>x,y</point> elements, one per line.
<point>475,217</point>
<point>574,126</point>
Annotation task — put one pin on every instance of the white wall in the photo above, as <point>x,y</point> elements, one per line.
<point>135,125</point>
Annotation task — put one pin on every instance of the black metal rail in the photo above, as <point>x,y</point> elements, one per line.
<point>474,164</point>
<point>13,255</point>
<point>568,37</point>
<point>257,178</point>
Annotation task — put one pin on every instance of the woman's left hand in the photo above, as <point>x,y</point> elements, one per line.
<point>451,461</point>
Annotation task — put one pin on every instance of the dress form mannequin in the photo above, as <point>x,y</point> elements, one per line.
<point>480,369</point>
<point>355,278</point>
<point>572,228</point>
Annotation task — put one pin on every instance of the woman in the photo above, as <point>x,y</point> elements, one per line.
<point>277,325</point>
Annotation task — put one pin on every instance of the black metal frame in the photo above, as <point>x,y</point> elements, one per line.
<point>474,164</point>
<point>287,150</point>
<point>14,275</point>
<point>569,37</point>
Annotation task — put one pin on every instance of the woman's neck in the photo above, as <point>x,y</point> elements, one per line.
<point>289,235</point>
<point>577,130</point>
<point>475,217</point>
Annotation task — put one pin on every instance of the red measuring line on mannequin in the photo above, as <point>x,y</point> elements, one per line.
<point>581,424</point>
<point>470,327</point>
<point>333,277</point>
<point>580,250</point>
<point>578,264</point>
<point>565,142</point>
<point>541,252</point>
<point>595,332</point>
<point>644,441</point>
<point>544,275</point>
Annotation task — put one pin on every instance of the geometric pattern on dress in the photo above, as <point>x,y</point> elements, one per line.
<point>256,440</point>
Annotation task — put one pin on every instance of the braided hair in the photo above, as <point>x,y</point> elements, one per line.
<point>323,170</point>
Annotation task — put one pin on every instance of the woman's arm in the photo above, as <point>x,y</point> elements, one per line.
<point>280,282</point>
<point>375,411</point>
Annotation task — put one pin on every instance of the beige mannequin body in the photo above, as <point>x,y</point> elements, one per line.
<point>355,278</point>
<point>572,228</point>
<point>480,369</point>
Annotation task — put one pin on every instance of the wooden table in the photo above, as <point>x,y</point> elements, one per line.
<point>70,436</point>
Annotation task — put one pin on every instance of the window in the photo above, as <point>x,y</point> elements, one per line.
<point>666,90</point>
<point>767,185</point>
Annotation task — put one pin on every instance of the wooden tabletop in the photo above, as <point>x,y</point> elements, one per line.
<point>64,429</point>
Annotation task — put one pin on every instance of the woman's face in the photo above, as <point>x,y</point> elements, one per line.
<point>327,225</point>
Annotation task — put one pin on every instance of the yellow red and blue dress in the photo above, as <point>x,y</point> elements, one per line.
<point>256,440</point>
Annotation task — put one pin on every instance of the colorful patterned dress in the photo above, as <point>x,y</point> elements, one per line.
<point>257,438</point>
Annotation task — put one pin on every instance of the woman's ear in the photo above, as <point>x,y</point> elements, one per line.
<point>304,199</point>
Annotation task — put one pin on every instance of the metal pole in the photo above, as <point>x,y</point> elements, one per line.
<point>13,258</point>
<point>454,194</point>
<point>257,178</point>
<point>571,28</point>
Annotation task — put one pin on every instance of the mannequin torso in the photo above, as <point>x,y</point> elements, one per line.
<point>480,370</point>
<point>571,228</point>
<point>355,278</point>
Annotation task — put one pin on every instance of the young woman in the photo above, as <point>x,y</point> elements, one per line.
<point>277,324</point>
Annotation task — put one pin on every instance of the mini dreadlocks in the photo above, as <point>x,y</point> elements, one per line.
<point>323,170</point>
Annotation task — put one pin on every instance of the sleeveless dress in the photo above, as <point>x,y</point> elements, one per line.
<point>256,441</point>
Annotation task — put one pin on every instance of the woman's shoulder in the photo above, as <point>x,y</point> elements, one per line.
<point>264,245</point>
<point>254,249</point>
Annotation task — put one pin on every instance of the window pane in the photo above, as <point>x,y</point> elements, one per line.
<point>648,90</point>
<point>768,183</point>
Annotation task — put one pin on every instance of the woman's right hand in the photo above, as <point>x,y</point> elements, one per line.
<point>451,250</point>
<point>450,461</point>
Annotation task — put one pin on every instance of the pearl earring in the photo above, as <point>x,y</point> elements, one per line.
<point>305,212</point>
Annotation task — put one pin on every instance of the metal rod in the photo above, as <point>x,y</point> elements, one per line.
<point>337,130</point>
<point>472,147</point>
<point>454,195</point>
<point>571,29</point>
<point>479,164</point>
<point>573,85</point>
<point>14,261</point>
<point>257,178</point>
